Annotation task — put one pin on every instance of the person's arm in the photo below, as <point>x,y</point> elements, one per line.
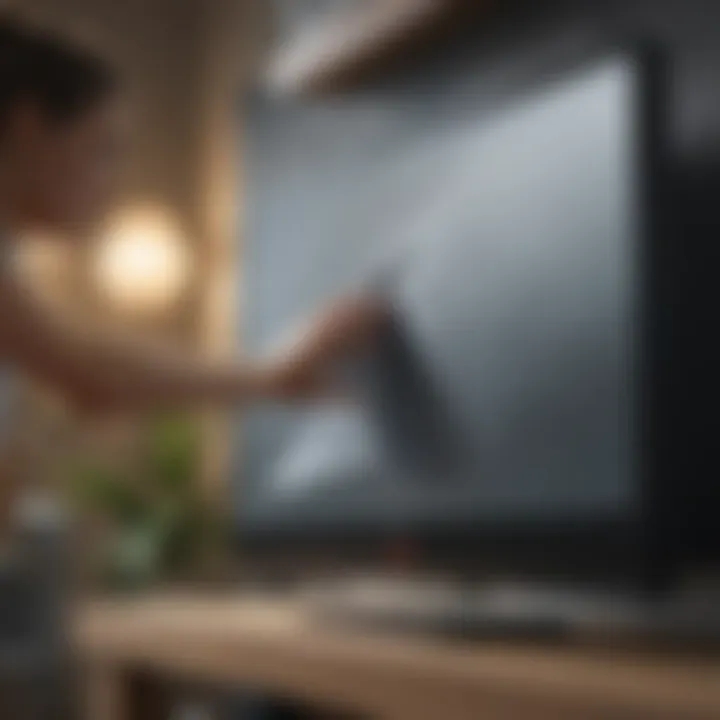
<point>111,375</point>
<point>304,367</point>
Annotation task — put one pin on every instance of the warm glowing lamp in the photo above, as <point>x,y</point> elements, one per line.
<point>141,263</point>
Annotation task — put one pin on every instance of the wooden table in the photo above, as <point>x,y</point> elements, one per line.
<point>279,647</point>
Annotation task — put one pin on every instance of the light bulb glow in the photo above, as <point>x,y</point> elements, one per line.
<point>141,263</point>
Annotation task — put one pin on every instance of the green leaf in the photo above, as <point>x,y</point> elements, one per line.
<point>135,556</point>
<point>172,454</point>
<point>106,491</point>
<point>161,523</point>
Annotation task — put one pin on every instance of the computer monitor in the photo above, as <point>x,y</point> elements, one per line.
<point>529,265</point>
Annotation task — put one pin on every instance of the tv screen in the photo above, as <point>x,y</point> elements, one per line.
<point>512,233</point>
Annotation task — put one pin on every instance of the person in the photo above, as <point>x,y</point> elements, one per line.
<point>61,142</point>
<point>62,137</point>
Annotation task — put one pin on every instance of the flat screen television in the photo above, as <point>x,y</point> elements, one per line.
<point>531,274</point>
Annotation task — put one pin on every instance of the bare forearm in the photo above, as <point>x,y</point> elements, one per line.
<point>110,373</point>
<point>114,375</point>
<point>153,380</point>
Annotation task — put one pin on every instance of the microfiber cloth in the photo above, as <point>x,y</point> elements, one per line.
<point>417,437</point>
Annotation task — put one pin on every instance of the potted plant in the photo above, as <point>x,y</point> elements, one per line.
<point>157,525</point>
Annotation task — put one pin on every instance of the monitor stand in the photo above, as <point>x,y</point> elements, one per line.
<point>527,612</point>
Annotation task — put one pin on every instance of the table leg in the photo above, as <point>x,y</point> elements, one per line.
<point>116,693</point>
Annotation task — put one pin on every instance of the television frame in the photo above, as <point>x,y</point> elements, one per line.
<point>644,553</point>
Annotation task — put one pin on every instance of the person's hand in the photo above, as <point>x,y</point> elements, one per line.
<point>307,368</point>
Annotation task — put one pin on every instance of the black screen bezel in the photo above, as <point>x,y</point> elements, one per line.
<point>639,546</point>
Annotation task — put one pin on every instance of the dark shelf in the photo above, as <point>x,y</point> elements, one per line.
<point>350,48</point>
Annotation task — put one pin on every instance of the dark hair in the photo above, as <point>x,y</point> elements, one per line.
<point>63,78</point>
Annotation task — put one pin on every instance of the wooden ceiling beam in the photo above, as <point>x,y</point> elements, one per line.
<point>349,48</point>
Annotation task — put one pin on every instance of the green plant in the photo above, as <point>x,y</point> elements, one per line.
<point>158,524</point>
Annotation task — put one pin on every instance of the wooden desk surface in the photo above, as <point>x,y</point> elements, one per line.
<point>280,647</point>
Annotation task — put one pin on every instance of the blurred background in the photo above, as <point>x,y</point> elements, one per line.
<point>164,267</point>
<point>221,88</point>
<point>168,258</point>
